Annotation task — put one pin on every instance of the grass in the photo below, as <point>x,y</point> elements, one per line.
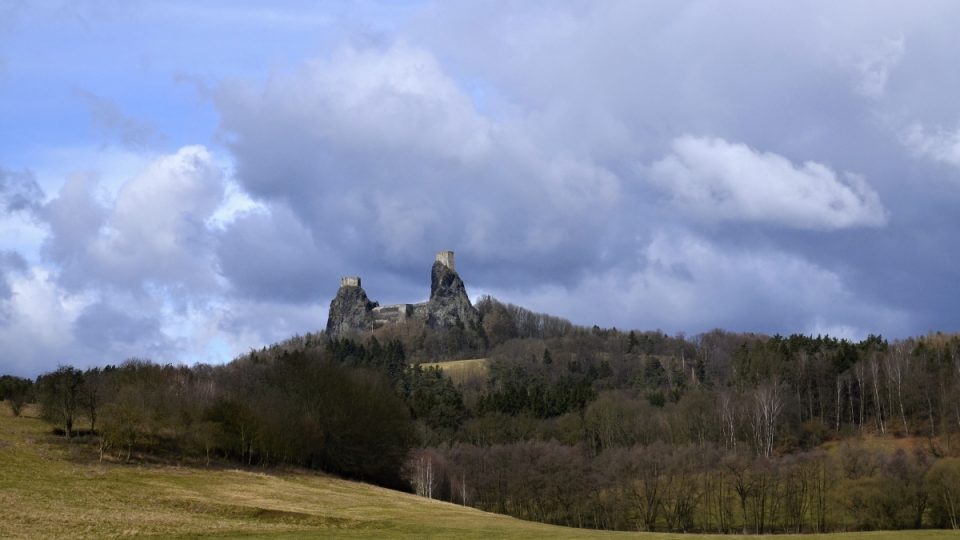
<point>461,370</point>
<point>53,489</point>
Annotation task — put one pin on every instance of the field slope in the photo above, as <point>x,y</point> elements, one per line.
<point>461,370</point>
<point>49,489</point>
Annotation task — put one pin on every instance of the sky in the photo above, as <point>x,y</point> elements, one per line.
<point>184,181</point>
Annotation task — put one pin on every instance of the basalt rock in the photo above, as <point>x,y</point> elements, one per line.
<point>449,306</point>
<point>350,310</point>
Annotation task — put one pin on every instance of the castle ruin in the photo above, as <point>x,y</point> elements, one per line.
<point>352,311</point>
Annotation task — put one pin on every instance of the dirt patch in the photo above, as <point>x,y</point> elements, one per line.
<point>268,515</point>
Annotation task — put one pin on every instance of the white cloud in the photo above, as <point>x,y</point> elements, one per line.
<point>716,180</point>
<point>38,330</point>
<point>154,231</point>
<point>937,144</point>
<point>236,203</point>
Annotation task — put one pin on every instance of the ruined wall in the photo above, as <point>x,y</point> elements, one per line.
<point>392,314</point>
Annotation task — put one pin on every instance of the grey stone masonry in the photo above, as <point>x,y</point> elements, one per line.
<point>446,258</point>
<point>352,312</point>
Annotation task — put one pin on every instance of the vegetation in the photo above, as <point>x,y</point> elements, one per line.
<point>51,488</point>
<point>16,391</point>
<point>586,427</point>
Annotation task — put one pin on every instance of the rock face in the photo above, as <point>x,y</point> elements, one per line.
<point>449,306</point>
<point>449,303</point>
<point>350,311</point>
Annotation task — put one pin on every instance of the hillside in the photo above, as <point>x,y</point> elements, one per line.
<point>52,489</point>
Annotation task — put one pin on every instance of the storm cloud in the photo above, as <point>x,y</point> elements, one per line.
<point>683,166</point>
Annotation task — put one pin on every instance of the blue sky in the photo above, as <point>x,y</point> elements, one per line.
<point>186,180</point>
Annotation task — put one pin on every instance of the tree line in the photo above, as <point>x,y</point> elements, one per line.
<point>664,487</point>
<point>311,407</point>
<point>772,433</point>
<point>590,427</point>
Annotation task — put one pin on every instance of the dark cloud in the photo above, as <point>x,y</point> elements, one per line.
<point>687,165</point>
<point>270,255</point>
<point>19,191</point>
<point>551,145</point>
<point>386,159</point>
<point>10,262</point>
<point>101,326</point>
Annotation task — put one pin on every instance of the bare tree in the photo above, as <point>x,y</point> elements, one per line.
<point>874,364</point>
<point>767,406</point>
<point>726,411</point>
<point>897,362</point>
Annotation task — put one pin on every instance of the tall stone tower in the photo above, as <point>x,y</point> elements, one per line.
<point>446,258</point>
<point>350,281</point>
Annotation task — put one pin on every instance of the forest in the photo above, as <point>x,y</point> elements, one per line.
<point>586,427</point>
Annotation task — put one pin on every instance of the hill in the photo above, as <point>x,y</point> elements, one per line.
<point>53,489</point>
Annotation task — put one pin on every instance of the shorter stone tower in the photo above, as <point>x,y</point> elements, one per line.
<point>350,281</point>
<point>446,258</point>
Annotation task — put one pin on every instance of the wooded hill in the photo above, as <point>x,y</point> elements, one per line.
<point>720,432</point>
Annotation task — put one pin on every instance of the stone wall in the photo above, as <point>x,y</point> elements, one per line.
<point>392,314</point>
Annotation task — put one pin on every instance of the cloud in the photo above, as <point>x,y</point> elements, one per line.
<point>685,282</point>
<point>153,233</point>
<point>269,255</point>
<point>716,180</point>
<point>101,325</point>
<point>385,159</point>
<point>114,125</point>
<point>875,68</point>
<point>10,263</point>
<point>510,134</point>
<point>936,144</point>
<point>19,191</point>
<point>37,332</point>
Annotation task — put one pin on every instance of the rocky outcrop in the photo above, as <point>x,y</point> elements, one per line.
<point>449,306</point>
<point>350,311</point>
<point>449,303</point>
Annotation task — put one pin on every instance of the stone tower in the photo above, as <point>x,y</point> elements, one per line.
<point>446,258</point>
<point>352,312</point>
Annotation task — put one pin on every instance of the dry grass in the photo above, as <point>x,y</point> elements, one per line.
<point>461,371</point>
<point>50,489</point>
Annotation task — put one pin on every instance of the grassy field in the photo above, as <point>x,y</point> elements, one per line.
<point>461,370</point>
<point>50,489</point>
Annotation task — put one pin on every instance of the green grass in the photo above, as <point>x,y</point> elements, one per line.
<point>50,489</point>
<point>461,370</point>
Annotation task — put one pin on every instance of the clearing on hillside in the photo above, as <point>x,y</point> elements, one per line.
<point>461,370</point>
